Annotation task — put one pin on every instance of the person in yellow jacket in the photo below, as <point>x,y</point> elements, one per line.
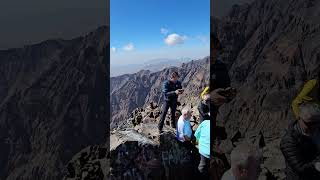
<point>309,93</point>
<point>205,91</point>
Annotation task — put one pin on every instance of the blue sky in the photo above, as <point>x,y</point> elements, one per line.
<point>142,30</point>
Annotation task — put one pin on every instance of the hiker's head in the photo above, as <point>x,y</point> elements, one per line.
<point>174,77</point>
<point>206,98</point>
<point>245,162</point>
<point>309,117</point>
<point>186,113</point>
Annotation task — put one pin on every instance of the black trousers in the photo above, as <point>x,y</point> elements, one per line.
<point>204,167</point>
<point>166,105</point>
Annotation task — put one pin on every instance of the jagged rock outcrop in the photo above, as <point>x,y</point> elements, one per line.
<point>52,104</point>
<point>271,51</point>
<point>137,151</point>
<point>129,92</point>
<point>142,154</point>
<point>89,163</point>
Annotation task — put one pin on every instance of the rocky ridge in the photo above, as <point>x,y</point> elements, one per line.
<point>52,104</point>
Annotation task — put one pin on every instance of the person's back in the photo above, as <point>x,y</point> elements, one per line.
<point>202,134</point>
<point>204,111</point>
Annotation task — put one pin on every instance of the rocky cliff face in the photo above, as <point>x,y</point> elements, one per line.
<point>52,104</point>
<point>272,48</point>
<point>136,152</point>
<point>138,90</point>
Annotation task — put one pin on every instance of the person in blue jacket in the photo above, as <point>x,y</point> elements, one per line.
<point>202,135</point>
<point>171,90</point>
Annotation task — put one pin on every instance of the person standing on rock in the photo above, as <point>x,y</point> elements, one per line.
<point>220,83</point>
<point>220,93</point>
<point>171,89</point>
<point>202,135</point>
<point>220,90</point>
<point>301,145</point>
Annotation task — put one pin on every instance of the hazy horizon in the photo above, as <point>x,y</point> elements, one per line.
<point>34,21</point>
<point>153,65</point>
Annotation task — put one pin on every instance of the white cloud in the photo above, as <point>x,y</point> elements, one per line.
<point>164,31</point>
<point>128,47</point>
<point>174,39</point>
<point>203,39</point>
<point>113,49</point>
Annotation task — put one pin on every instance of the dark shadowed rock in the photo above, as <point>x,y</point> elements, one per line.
<point>143,154</point>
<point>90,163</point>
<point>52,104</point>
<point>271,49</point>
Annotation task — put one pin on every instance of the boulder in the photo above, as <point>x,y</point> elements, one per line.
<point>141,153</point>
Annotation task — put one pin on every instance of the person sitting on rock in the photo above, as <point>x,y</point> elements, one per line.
<point>245,163</point>
<point>301,145</point>
<point>184,131</point>
<point>309,93</point>
<point>202,135</point>
<point>171,90</point>
<point>204,107</point>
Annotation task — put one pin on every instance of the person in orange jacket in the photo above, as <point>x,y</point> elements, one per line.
<point>309,93</point>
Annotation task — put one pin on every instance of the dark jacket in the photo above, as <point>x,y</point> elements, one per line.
<point>203,111</point>
<point>219,76</point>
<point>168,90</point>
<point>300,154</point>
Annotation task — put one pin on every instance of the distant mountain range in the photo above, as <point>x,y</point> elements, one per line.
<point>131,91</point>
<point>153,65</point>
